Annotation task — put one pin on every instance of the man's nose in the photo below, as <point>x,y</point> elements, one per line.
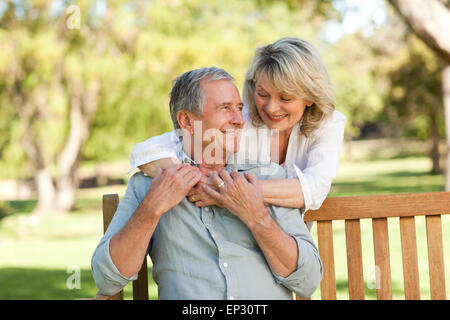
<point>237,117</point>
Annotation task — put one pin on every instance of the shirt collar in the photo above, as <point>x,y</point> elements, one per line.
<point>233,164</point>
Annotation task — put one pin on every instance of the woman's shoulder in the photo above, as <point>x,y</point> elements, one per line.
<point>336,119</point>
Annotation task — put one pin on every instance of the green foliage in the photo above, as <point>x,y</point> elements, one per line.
<point>135,50</point>
<point>415,95</point>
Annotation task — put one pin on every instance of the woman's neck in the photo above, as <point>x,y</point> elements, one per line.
<point>279,145</point>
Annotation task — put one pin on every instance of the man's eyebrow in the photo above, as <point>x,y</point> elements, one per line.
<point>228,104</point>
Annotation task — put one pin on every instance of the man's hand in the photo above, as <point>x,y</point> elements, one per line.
<point>198,196</point>
<point>242,195</point>
<point>170,186</point>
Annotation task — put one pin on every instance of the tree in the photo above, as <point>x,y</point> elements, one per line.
<point>430,21</point>
<point>51,74</point>
<point>90,82</point>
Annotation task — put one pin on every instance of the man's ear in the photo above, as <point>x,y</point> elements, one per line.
<point>186,121</point>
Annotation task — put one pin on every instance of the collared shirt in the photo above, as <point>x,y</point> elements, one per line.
<point>313,160</point>
<point>209,253</point>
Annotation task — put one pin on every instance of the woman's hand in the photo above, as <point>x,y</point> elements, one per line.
<point>198,196</point>
<point>242,195</point>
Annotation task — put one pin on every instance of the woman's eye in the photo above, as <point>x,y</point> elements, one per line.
<point>285,99</point>
<point>262,94</point>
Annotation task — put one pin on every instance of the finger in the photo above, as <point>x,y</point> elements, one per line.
<point>204,203</point>
<point>225,176</point>
<point>207,179</point>
<point>192,178</point>
<point>216,179</point>
<point>236,176</point>
<point>176,167</point>
<point>184,169</point>
<point>251,177</point>
<point>194,190</point>
<point>159,172</point>
<point>212,193</point>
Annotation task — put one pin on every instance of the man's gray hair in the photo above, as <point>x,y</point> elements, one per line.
<point>187,94</point>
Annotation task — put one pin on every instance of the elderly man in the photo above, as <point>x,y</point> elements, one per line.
<point>242,250</point>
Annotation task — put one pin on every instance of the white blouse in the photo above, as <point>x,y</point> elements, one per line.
<point>312,160</point>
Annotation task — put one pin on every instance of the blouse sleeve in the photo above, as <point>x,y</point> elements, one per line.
<point>322,159</point>
<point>155,148</point>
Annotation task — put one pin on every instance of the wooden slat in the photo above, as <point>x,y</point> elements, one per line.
<point>382,258</point>
<point>396,205</point>
<point>436,257</point>
<point>326,251</point>
<point>354,260</point>
<point>409,254</point>
<point>110,203</point>
<point>140,286</point>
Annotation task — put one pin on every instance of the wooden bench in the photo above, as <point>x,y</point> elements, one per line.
<point>352,210</point>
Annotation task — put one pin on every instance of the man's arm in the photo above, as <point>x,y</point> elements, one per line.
<point>129,246</point>
<point>243,197</point>
<point>129,233</point>
<point>282,236</point>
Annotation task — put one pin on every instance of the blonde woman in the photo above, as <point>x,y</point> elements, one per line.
<point>291,118</point>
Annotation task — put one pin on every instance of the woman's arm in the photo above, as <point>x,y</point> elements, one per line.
<point>283,193</point>
<point>151,168</point>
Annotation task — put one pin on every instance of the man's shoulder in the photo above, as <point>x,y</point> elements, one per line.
<point>139,177</point>
<point>139,183</point>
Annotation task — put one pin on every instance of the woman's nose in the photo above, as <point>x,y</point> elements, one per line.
<point>271,106</point>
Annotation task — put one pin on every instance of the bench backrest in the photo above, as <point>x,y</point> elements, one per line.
<point>140,285</point>
<point>352,210</point>
<point>378,208</point>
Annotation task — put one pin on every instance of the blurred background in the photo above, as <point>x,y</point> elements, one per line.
<point>81,82</point>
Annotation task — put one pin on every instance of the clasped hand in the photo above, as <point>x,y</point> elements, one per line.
<point>240,194</point>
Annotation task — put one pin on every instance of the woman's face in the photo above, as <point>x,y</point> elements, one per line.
<point>278,110</point>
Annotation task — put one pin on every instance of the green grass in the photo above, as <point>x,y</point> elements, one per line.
<point>35,257</point>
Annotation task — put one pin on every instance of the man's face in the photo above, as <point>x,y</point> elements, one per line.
<point>221,121</point>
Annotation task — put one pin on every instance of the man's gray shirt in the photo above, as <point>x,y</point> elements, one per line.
<point>208,253</point>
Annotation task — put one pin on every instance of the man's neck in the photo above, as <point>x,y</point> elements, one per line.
<point>206,168</point>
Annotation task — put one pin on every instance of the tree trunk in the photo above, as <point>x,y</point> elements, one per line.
<point>430,21</point>
<point>82,109</point>
<point>446,93</point>
<point>45,191</point>
<point>434,150</point>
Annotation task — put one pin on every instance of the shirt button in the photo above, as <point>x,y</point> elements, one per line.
<point>225,264</point>
<point>206,208</point>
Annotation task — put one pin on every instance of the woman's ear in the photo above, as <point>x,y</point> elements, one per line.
<point>309,103</point>
<point>186,121</point>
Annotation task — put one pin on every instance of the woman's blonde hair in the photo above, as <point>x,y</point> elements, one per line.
<point>295,67</point>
